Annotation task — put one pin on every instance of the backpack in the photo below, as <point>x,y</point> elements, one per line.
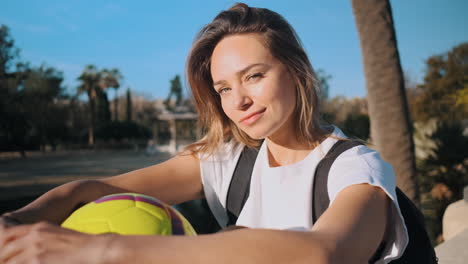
<point>419,248</point>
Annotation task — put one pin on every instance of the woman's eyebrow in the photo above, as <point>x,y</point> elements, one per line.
<point>243,71</point>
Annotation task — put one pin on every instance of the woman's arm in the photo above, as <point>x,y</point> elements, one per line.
<point>348,232</point>
<point>46,243</point>
<point>55,205</point>
<point>238,246</point>
<point>172,181</point>
<point>354,225</point>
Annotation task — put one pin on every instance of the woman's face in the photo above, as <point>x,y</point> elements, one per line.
<point>256,90</point>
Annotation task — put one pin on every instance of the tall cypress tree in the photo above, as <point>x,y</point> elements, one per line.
<point>129,105</point>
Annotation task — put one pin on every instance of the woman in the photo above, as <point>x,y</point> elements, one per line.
<point>253,86</point>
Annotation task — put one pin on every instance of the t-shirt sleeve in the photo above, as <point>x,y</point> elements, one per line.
<point>216,172</point>
<point>363,165</point>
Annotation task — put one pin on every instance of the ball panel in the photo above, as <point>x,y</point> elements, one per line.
<point>158,212</point>
<point>136,221</point>
<point>96,212</point>
<point>93,227</point>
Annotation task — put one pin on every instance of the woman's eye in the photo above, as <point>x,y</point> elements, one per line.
<point>223,90</point>
<point>255,76</point>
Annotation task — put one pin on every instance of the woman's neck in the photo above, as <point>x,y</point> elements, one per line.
<point>287,152</point>
<point>286,146</point>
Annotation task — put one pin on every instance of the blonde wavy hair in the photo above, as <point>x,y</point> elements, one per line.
<point>283,43</point>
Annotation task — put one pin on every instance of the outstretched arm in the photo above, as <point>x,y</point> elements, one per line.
<point>348,232</point>
<point>173,181</point>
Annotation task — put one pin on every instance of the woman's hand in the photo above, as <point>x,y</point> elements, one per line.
<point>47,243</point>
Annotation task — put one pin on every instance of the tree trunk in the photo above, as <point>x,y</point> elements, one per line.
<point>391,130</point>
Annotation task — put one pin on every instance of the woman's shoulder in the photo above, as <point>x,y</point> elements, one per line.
<point>361,155</point>
<point>225,151</point>
<point>359,164</point>
<point>364,157</point>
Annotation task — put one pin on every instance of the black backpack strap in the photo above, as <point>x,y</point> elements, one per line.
<point>321,200</point>
<point>239,187</point>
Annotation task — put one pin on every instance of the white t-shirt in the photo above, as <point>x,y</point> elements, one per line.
<point>280,197</point>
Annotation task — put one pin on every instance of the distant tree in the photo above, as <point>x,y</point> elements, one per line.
<point>339,108</point>
<point>444,173</point>
<point>15,121</point>
<point>391,129</point>
<point>9,81</point>
<point>96,83</point>
<point>90,79</point>
<point>103,114</point>
<point>14,124</point>
<point>8,51</point>
<point>42,88</point>
<point>111,79</point>
<point>444,92</point>
<point>440,108</point>
<point>33,116</point>
<point>32,109</point>
<point>357,125</point>
<point>323,79</point>
<point>175,90</point>
<point>129,105</point>
<point>78,121</point>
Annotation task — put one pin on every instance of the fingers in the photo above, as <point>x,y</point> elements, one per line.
<point>24,242</point>
<point>13,241</point>
<point>11,233</point>
<point>47,243</point>
<point>13,249</point>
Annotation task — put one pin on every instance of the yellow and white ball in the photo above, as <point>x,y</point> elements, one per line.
<point>129,214</point>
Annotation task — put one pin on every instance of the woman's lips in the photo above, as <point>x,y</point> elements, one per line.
<point>252,118</point>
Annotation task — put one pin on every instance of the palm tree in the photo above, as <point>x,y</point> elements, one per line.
<point>391,129</point>
<point>90,78</point>
<point>111,79</point>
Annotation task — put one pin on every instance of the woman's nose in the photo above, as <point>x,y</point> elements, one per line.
<point>242,100</point>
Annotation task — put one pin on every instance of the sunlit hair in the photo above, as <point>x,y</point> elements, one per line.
<point>283,43</point>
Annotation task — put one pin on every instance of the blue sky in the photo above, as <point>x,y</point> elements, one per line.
<point>149,40</point>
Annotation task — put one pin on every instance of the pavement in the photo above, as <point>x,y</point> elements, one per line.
<point>41,172</point>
